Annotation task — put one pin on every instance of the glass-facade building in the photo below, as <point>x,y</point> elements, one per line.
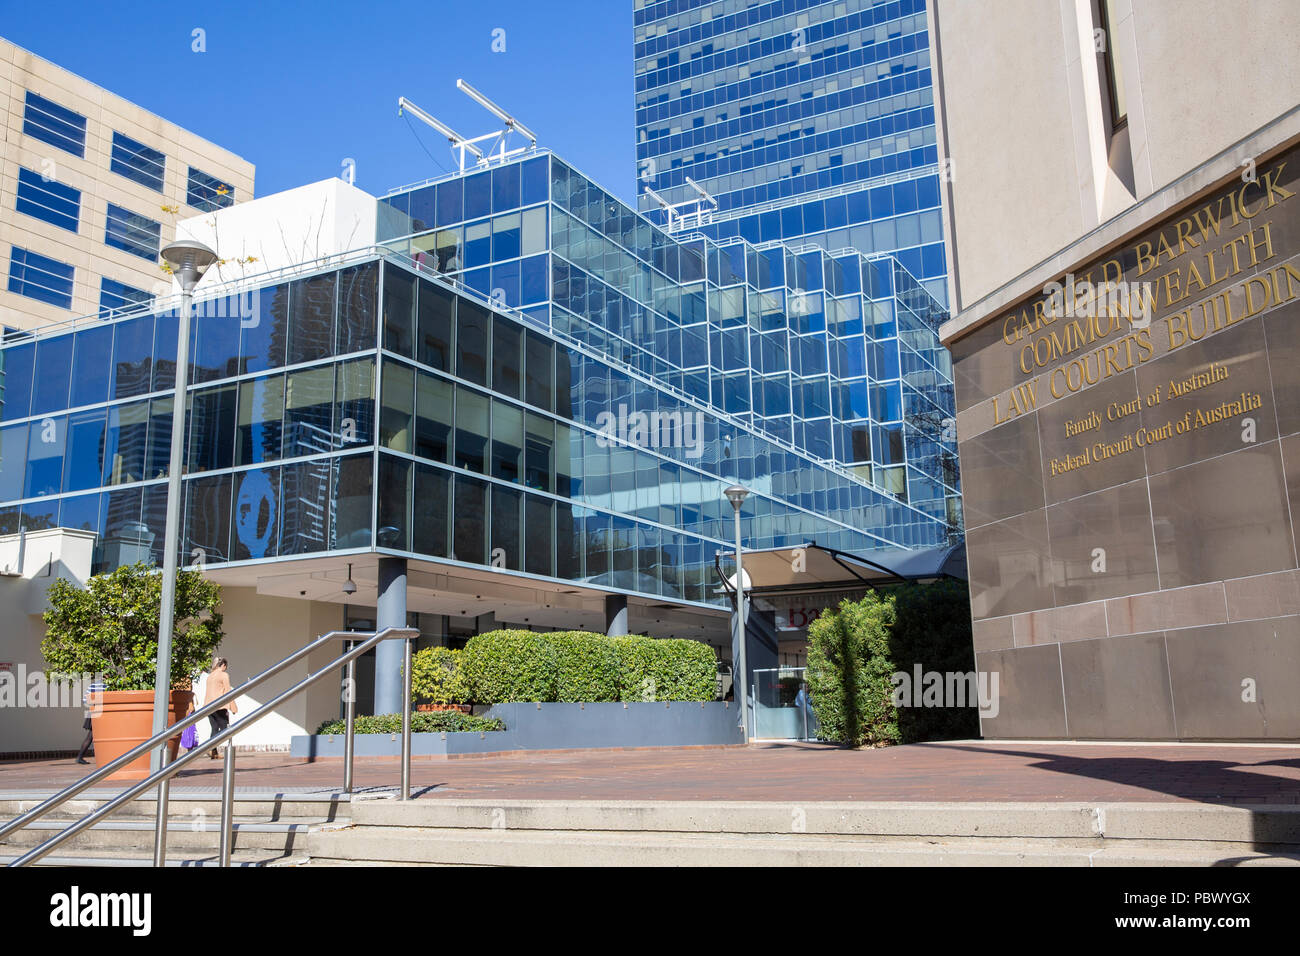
<point>809,121</point>
<point>476,391</point>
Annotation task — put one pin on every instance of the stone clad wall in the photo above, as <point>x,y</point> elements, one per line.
<point>1131,462</point>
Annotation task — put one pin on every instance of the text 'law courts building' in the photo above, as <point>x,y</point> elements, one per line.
<point>1125,269</point>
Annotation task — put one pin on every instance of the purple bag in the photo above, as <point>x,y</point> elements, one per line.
<point>190,737</point>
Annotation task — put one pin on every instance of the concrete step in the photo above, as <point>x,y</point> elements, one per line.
<point>187,803</point>
<point>1264,824</point>
<point>199,834</point>
<point>541,833</point>
<point>445,846</point>
<point>92,857</point>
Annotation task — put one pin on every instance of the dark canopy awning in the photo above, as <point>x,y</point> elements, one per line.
<point>811,567</point>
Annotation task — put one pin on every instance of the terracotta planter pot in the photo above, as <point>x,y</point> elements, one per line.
<point>429,708</point>
<point>124,721</point>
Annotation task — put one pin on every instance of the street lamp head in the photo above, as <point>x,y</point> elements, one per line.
<point>736,494</point>
<point>189,260</point>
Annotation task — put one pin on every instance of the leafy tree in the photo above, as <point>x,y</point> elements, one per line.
<point>110,627</point>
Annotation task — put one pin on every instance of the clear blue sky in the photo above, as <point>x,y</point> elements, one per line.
<point>295,87</point>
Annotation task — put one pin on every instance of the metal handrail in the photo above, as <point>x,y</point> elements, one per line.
<point>162,777</point>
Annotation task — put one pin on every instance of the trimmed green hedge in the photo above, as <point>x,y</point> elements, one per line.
<point>422,722</point>
<point>855,650</point>
<point>437,677</point>
<point>573,666</point>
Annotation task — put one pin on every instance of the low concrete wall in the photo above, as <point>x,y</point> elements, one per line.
<point>557,727</point>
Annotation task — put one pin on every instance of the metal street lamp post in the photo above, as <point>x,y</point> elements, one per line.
<point>189,261</point>
<point>736,494</point>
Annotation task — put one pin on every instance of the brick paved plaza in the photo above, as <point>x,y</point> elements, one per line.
<point>951,771</point>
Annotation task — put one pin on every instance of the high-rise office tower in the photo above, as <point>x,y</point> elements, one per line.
<point>807,121</point>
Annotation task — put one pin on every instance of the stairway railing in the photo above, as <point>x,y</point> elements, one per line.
<point>161,778</point>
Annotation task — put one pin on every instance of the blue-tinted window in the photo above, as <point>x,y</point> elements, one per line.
<point>54,124</point>
<point>48,200</point>
<point>260,423</point>
<point>126,443</point>
<point>114,295</point>
<point>13,461</point>
<point>53,374</point>
<point>478,195</point>
<point>533,181</point>
<point>45,447</point>
<point>138,235</point>
<point>207,192</point>
<point>84,467</point>
<point>264,332</point>
<point>136,161</point>
<point>505,188</point>
<point>39,277</point>
<point>16,383</point>
<point>132,357</point>
<point>214,344</point>
<point>92,365</point>
<point>311,325</point>
<point>82,513</point>
<point>451,205</point>
<point>212,428</point>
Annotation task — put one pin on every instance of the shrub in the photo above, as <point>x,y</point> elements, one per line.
<point>588,667</point>
<point>666,669</point>
<point>506,665</point>
<point>574,666</point>
<point>437,677</point>
<point>438,721</point>
<point>933,629</point>
<point>110,627</point>
<point>854,651</point>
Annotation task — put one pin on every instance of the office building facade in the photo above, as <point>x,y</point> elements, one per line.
<point>91,188</point>
<point>524,393</point>
<point>810,122</point>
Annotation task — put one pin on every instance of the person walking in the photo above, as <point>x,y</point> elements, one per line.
<point>88,701</point>
<point>218,685</point>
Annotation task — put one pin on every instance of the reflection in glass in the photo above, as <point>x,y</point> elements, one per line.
<point>506,356</point>
<point>358,292</point>
<point>507,441</point>
<point>255,521</point>
<point>394,514</point>
<point>311,326</point>
<point>350,500</point>
<point>431,524</point>
<point>471,430</point>
<point>304,501</point>
<point>399,310</point>
<point>433,417</point>
<point>506,526</point>
<point>85,459</point>
<point>396,416</point>
<point>207,520</point>
<point>436,312</point>
<point>472,342</point>
<point>260,423</point>
<point>470,525</point>
<point>355,403</point>
<point>539,542</point>
<point>212,416</point>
